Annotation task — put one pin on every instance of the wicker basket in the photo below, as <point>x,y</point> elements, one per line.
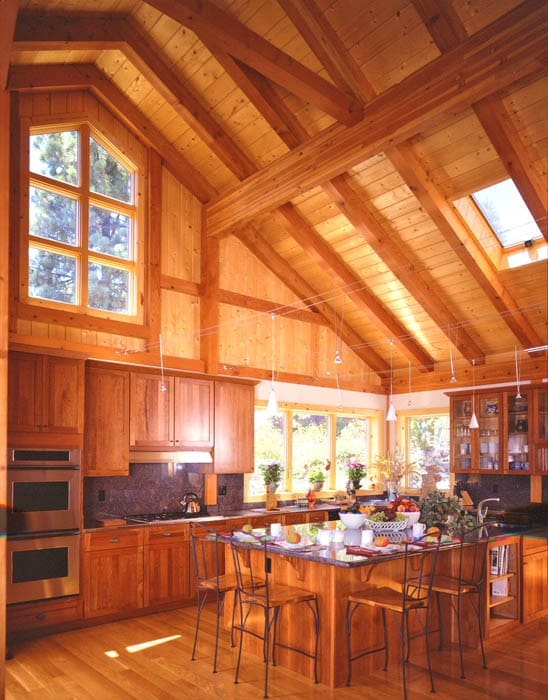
<point>386,526</point>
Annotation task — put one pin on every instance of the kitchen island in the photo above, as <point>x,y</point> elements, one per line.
<point>333,574</point>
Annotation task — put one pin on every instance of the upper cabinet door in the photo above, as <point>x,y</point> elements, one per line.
<point>234,427</point>
<point>106,438</point>
<point>540,431</point>
<point>194,408</point>
<point>46,394</point>
<point>151,411</point>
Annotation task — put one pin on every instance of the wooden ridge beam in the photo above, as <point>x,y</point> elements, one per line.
<point>216,27</point>
<point>492,59</point>
<point>315,246</point>
<point>86,76</point>
<point>264,252</point>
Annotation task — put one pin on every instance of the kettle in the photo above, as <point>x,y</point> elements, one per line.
<point>191,503</point>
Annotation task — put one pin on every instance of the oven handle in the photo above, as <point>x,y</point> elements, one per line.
<point>41,535</point>
<point>46,467</point>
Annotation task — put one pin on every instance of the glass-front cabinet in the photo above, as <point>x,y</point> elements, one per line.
<point>518,437</point>
<point>489,413</point>
<point>540,431</point>
<point>461,434</point>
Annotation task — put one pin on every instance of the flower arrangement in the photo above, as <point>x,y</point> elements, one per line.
<point>272,472</point>
<point>393,467</point>
<point>355,471</point>
<point>316,477</point>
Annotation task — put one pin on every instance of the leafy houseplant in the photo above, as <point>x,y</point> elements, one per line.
<point>272,473</point>
<point>445,512</point>
<point>316,478</point>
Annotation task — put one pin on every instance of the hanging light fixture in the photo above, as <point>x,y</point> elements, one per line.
<point>163,386</point>
<point>518,373</point>
<point>272,406</point>
<point>474,420</point>
<point>391,413</point>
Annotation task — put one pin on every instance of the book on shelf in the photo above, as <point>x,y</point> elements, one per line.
<point>499,560</point>
<point>500,588</point>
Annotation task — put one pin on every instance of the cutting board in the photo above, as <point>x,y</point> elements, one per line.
<point>111,522</point>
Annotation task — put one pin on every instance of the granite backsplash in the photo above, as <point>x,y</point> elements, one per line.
<point>152,488</point>
<point>512,490</point>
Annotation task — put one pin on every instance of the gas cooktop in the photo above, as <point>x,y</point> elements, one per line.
<point>163,515</point>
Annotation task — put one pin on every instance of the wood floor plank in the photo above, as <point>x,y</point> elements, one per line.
<point>75,666</point>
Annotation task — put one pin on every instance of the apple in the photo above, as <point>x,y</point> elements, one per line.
<point>381,541</point>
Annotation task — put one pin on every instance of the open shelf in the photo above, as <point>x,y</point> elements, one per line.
<point>496,600</point>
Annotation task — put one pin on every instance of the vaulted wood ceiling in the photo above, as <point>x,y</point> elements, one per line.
<point>338,140</point>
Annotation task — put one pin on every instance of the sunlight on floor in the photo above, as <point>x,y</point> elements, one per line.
<point>133,648</point>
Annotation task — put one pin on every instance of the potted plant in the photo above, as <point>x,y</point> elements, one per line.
<point>355,471</point>
<point>316,478</point>
<point>445,512</point>
<point>272,474</point>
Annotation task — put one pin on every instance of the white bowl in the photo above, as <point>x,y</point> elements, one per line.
<point>412,517</point>
<point>352,521</point>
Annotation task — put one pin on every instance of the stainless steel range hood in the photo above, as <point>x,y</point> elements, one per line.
<point>175,457</point>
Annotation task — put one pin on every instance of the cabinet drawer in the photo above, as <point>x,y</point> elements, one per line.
<point>172,533</point>
<point>31,616</point>
<point>113,539</point>
<point>531,543</point>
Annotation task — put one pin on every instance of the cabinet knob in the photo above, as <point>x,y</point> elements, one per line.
<point>115,539</point>
<point>167,534</point>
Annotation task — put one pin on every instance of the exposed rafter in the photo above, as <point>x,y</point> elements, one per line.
<point>223,31</point>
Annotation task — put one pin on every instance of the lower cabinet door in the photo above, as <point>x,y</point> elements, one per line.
<point>167,573</point>
<point>535,585</point>
<point>113,581</point>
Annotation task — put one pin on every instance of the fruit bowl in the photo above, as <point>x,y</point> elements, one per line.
<point>386,526</point>
<point>412,517</point>
<point>352,521</point>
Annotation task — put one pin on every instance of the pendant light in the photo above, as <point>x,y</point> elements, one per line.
<point>473,425</point>
<point>391,413</point>
<point>272,406</point>
<point>163,386</point>
<point>518,373</point>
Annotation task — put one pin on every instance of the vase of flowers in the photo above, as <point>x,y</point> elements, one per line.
<point>355,472</point>
<point>393,469</point>
<point>272,475</point>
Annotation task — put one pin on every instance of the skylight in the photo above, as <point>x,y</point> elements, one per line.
<point>506,212</point>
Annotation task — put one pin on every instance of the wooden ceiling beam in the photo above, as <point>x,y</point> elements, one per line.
<point>216,27</point>
<point>442,21</point>
<point>67,31</point>
<point>9,9</point>
<point>278,266</point>
<point>86,76</point>
<point>503,135</point>
<point>401,265</point>
<point>496,56</point>
<point>463,243</point>
<point>268,307</point>
<point>352,285</point>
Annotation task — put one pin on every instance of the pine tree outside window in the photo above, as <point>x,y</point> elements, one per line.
<point>82,223</point>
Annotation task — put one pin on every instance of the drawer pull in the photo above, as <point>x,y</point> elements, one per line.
<point>167,534</point>
<point>115,539</point>
<point>41,616</point>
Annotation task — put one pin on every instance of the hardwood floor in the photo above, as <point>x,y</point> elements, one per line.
<point>105,662</point>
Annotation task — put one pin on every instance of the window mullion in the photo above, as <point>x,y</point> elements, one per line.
<point>84,215</point>
<point>289,450</point>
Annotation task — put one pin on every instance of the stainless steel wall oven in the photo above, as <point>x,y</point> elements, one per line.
<point>43,512</point>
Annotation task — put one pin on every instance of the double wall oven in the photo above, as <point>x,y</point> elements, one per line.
<point>43,523</point>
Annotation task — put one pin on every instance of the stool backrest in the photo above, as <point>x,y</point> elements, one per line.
<point>252,566</point>
<point>473,557</point>
<point>207,552</point>
<point>419,570</point>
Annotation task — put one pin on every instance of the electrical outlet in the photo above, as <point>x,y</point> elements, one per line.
<point>222,490</point>
<point>101,496</point>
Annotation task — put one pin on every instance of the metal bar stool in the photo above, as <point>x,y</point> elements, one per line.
<point>468,582</point>
<point>257,592</point>
<point>412,593</point>
<point>208,553</point>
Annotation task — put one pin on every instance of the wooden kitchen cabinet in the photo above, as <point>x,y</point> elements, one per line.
<point>171,412</point>
<point>540,431</point>
<point>534,578</point>
<point>503,585</point>
<point>234,427</point>
<point>167,565</point>
<point>113,580</point>
<point>39,617</point>
<point>518,432</point>
<point>46,394</point>
<point>106,438</point>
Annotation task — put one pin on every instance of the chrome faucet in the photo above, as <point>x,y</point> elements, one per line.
<point>482,509</point>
